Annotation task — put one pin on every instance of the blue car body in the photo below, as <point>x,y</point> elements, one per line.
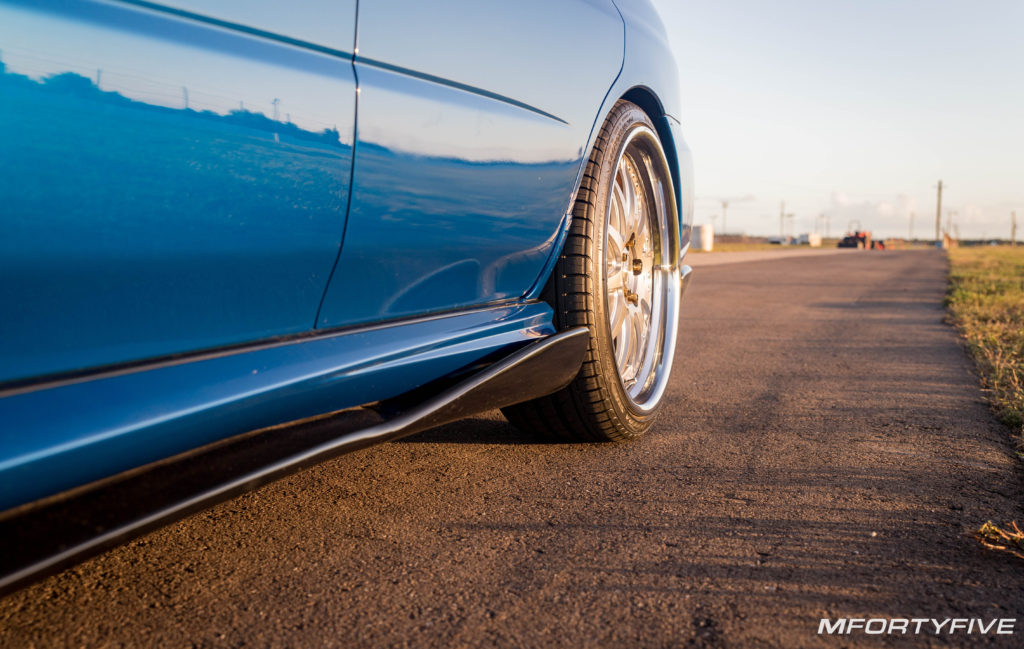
<point>218,216</point>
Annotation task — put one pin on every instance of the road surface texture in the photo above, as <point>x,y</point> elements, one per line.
<point>825,452</point>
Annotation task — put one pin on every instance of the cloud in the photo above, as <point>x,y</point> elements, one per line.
<point>745,198</point>
<point>888,215</point>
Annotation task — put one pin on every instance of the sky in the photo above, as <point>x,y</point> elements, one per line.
<point>852,111</point>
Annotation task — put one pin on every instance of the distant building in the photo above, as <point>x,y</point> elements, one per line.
<point>703,237</point>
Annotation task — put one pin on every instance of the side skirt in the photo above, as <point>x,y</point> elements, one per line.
<point>65,530</point>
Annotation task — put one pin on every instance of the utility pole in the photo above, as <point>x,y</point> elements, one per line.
<point>275,102</point>
<point>938,215</point>
<point>1013,228</point>
<point>782,219</point>
<point>725,204</point>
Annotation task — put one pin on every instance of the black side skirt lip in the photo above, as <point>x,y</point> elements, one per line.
<point>42,540</point>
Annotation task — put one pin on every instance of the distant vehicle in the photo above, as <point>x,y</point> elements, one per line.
<point>857,239</point>
<point>812,239</point>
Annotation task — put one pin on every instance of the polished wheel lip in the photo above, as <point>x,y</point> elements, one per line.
<point>641,268</point>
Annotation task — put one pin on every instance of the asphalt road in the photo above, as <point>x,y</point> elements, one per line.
<point>825,453</point>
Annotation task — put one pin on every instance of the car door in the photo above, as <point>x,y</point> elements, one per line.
<point>473,121</point>
<point>175,176</point>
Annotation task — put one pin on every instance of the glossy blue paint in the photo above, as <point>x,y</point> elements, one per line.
<point>326,24</point>
<point>192,195</point>
<point>648,62</point>
<point>650,78</point>
<point>188,196</point>
<point>67,435</point>
<point>467,156</point>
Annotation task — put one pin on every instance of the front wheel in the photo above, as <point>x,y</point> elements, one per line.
<point>618,276</point>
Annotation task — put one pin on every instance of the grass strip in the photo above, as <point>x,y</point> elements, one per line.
<point>986,303</point>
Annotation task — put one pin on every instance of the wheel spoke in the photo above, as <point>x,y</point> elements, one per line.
<point>628,203</point>
<point>639,335</point>
<point>640,222</point>
<point>620,348</point>
<point>617,310</point>
<point>616,282</point>
<point>617,218</point>
<point>634,213</point>
<point>616,246</point>
<point>627,345</point>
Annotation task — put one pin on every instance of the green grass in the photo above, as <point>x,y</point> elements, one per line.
<point>986,303</point>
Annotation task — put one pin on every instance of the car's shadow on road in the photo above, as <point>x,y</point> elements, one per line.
<point>477,430</point>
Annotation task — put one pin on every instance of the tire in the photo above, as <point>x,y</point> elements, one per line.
<point>605,274</point>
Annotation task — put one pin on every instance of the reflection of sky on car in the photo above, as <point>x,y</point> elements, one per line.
<point>552,56</point>
<point>163,73</point>
<point>145,67</point>
<point>150,211</point>
<point>409,115</point>
<point>330,23</point>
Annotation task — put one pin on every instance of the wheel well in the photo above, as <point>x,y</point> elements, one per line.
<point>651,105</point>
<point>647,101</point>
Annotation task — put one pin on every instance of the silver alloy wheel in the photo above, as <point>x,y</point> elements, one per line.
<point>641,270</point>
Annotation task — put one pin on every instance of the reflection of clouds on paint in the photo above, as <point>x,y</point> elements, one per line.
<point>69,86</point>
<point>175,75</point>
<point>454,141</point>
<point>406,115</point>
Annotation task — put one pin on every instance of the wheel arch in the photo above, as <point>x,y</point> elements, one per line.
<point>677,154</point>
<point>651,104</point>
